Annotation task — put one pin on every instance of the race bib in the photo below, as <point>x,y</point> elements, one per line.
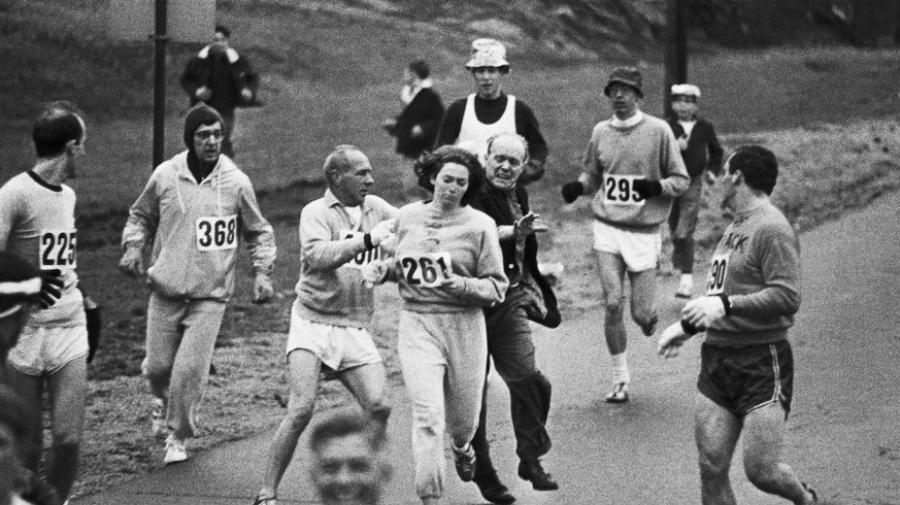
<point>427,270</point>
<point>57,249</point>
<point>619,190</point>
<point>216,233</point>
<point>719,266</point>
<point>361,259</point>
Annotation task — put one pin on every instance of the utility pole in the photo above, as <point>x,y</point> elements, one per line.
<point>675,50</point>
<point>159,83</point>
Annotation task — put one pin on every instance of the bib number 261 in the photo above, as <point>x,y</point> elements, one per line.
<point>427,270</point>
<point>217,233</point>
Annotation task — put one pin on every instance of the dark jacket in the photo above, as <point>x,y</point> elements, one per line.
<point>425,110</point>
<point>225,73</point>
<point>703,150</point>
<point>495,203</point>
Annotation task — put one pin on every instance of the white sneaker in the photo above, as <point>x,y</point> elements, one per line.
<point>685,287</point>
<point>158,417</point>
<point>175,451</point>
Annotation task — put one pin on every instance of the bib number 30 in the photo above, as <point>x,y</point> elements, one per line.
<point>717,270</point>
<point>57,249</point>
<point>428,270</point>
<point>217,233</point>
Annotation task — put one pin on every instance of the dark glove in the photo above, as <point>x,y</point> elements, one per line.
<point>94,325</point>
<point>571,191</point>
<point>647,189</point>
<point>51,287</point>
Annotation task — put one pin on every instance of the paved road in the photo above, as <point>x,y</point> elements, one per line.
<point>844,434</point>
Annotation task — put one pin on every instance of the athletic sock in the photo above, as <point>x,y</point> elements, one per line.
<point>687,281</point>
<point>620,368</point>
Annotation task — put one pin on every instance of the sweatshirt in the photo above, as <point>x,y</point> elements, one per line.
<point>757,264</point>
<point>333,253</point>
<point>195,228</point>
<point>464,242</point>
<point>620,151</point>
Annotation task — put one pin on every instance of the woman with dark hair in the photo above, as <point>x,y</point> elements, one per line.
<point>449,266</point>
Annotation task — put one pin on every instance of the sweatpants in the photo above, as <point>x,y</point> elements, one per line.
<point>442,356</point>
<point>181,337</point>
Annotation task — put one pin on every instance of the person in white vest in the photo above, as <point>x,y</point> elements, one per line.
<point>489,111</point>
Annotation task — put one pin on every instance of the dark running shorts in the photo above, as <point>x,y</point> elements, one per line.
<point>743,379</point>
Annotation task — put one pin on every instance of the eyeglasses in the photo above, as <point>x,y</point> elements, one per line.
<point>207,134</point>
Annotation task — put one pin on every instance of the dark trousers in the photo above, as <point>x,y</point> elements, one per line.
<point>512,350</point>
<point>682,222</point>
<point>228,128</point>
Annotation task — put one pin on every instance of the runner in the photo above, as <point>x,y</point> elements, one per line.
<point>448,266</point>
<point>340,234</point>
<point>489,111</point>
<point>193,210</point>
<point>702,154</point>
<point>746,365</point>
<point>510,345</point>
<point>37,223</point>
<point>634,169</point>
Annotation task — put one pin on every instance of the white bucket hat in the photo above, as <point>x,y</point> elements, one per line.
<point>487,53</point>
<point>686,90</point>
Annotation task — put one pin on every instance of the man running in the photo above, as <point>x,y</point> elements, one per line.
<point>471,121</point>
<point>193,210</point>
<point>37,223</point>
<point>746,365</point>
<point>633,167</point>
<point>340,234</point>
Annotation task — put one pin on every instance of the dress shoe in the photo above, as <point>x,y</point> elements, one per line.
<point>533,471</point>
<point>493,490</point>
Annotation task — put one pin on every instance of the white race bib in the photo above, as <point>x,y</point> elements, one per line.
<point>717,270</point>
<point>427,270</point>
<point>57,249</point>
<point>361,259</point>
<point>216,233</point>
<point>619,190</point>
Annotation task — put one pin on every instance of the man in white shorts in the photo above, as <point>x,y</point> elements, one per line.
<point>633,167</point>
<point>37,223</point>
<point>194,210</point>
<point>340,233</point>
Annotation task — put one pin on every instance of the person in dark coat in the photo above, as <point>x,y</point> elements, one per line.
<point>702,153</point>
<point>417,125</point>
<point>510,344</point>
<point>223,79</point>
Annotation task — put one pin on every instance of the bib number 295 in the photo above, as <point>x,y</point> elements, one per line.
<point>619,190</point>
<point>427,270</point>
<point>57,250</point>
<point>216,233</point>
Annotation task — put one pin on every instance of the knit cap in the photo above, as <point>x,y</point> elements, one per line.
<point>18,282</point>
<point>199,114</point>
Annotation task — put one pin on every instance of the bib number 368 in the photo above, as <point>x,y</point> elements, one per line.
<point>217,233</point>
<point>427,270</point>
<point>57,249</point>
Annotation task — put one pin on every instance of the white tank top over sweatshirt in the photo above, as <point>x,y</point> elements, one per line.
<point>475,133</point>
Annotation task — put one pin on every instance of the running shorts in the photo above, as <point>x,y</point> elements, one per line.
<point>639,249</point>
<point>45,349</point>
<point>339,348</point>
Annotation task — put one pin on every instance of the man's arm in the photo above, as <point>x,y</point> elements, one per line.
<point>780,265</point>
<point>675,180</point>
<point>451,124</point>
<point>527,126</point>
<point>319,250</point>
<point>257,232</point>
<point>143,216</point>
<point>715,151</point>
<point>8,212</point>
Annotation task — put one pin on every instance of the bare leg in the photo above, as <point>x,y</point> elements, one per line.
<point>763,444</point>
<point>304,369</point>
<point>716,431</point>
<point>612,274</point>
<point>366,382</point>
<point>643,299</point>
<point>68,389</point>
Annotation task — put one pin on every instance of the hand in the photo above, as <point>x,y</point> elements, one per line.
<point>670,341</point>
<point>246,94</point>
<point>525,225</point>
<point>203,93</point>
<point>710,177</point>
<point>646,188</point>
<point>262,289</point>
<point>51,287</point>
<point>416,131</point>
<point>572,190</point>
<point>703,311</point>
<point>382,231</point>
<point>682,142</point>
<point>453,283</point>
<point>132,262</point>
<point>375,273</point>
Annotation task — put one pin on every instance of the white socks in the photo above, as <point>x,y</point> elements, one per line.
<point>620,368</point>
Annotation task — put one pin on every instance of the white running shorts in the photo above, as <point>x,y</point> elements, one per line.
<point>640,250</point>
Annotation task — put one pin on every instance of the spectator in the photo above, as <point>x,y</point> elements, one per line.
<point>223,79</point>
<point>702,154</point>
<point>489,111</point>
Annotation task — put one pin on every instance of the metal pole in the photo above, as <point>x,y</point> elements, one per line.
<point>675,51</point>
<point>159,83</point>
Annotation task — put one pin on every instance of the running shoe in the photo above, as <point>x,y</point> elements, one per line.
<point>265,500</point>
<point>619,394</point>
<point>811,491</point>
<point>158,417</point>
<point>175,451</point>
<point>465,462</point>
